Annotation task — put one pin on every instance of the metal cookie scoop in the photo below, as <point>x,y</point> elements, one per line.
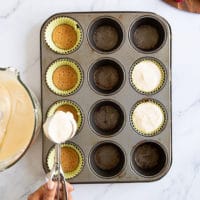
<point>64,125</point>
<point>57,174</point>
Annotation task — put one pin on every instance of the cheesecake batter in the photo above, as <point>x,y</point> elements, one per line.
<point>147,76</point>
<point>60,127</point>
<point>148,117</point>
<point>17,118</point>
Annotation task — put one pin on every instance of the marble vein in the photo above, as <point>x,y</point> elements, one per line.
<point>194,177</point>
<point>35,61</point>
<point>30,189</point>
<point>103,193</point>
<point>12,10</point>
<point>191,106</point>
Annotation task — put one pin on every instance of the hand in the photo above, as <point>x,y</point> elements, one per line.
<point>48,192</point>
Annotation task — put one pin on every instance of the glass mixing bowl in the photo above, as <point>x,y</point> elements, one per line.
<point>20,117</point>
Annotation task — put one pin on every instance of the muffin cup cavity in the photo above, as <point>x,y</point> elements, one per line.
<point>148,117</point>
<point>147,34</point>
<point>107,159</point>
<point>105,35</point>
<point>106,76</point>
<point>64,77</point>
<point>148,75</point>
<point>63,35</point>
<point>148,158</point>
<point>106,118</point>
<point>68,106</point>
<point>72,159</point>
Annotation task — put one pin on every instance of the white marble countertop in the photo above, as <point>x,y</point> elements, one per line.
<point>20,22</point>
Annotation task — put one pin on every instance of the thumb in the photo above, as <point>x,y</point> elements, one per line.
<point>50,191</point>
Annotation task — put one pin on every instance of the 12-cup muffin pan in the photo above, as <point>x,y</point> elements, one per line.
<point>113,150</point>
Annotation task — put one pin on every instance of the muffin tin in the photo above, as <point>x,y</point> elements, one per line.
<point>111,43</point>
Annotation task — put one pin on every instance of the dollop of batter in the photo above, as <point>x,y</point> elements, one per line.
<point>60,127</point>
<point>148,117</point>
<point>147,76</point>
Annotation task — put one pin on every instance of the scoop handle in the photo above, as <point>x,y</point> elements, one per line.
<point>64,189</point>
<point>58,163</point>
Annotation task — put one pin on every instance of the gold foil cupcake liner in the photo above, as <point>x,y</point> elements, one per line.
<point>59,21</point>
<point>72,174</point>
<point>156,131</point>
<point>56,105</point>
<point>163,76</point>
<point>57,64</point>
